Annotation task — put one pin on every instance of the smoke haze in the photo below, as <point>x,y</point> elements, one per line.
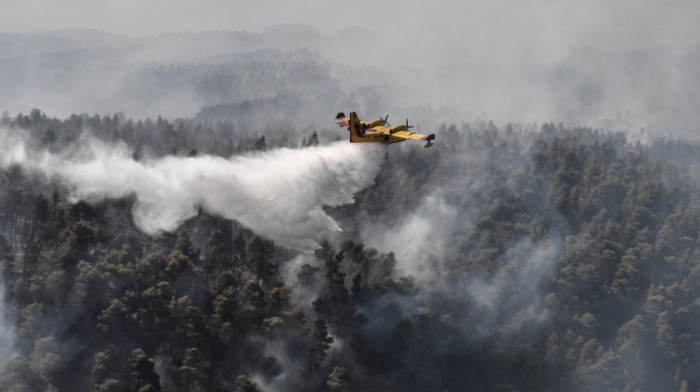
<point>279,194</point>
<point>7,332</point>
<point>419,240</point>
<point>624,65</point>
<point>506,230</point>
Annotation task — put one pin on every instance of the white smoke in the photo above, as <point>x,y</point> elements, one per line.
<point>7,332</point>
<point>507,300</point>
<point>419,241</point>
<point>279,194</point>
<point>510,300</point>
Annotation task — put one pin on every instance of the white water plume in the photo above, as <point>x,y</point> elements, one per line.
<point>278,194</point>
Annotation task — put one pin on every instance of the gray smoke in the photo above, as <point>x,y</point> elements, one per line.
<point>7,332</point>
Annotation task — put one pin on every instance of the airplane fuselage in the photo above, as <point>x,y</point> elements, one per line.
<point>377,131</point>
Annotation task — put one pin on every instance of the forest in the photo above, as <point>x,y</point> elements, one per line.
<point>511,257</point>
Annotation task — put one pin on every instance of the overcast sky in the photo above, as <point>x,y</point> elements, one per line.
<point>544,21</point>
<point>494,58</point>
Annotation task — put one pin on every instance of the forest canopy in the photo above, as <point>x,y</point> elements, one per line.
<point>513,257</point>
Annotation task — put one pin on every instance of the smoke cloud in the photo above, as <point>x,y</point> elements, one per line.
<point>526,265</point>
<point>507,300</point>
<point>279,194</point>
<point>419,241</point>
<point>7,332</point>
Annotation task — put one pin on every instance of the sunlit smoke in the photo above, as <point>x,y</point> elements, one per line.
<point>279,194</point>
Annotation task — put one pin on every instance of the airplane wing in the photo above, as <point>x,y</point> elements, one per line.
<point>413,135</point>
<point>377,131</point>
<point>416,136</point>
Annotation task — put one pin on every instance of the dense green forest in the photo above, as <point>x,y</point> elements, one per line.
<point>555,259</point>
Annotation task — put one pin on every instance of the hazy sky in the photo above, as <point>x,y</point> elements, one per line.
<point>544,21</point>
<point>492,58</point>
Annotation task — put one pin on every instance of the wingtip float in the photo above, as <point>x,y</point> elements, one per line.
<point>379,131</point>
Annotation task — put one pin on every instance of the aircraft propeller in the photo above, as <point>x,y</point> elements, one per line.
<point>385,120</point>
<point>408,126</point>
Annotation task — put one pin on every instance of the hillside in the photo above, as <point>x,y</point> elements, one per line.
<point>505,258</point>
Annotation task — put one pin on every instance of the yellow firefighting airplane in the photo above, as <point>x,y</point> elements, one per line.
<point>378,131</point>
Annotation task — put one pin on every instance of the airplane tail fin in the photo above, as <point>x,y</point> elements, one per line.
<point>355,127</point>
<point>352,123</point>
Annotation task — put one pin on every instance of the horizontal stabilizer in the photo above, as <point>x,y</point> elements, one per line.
<point>342,120</point>
<point>429,138</point>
